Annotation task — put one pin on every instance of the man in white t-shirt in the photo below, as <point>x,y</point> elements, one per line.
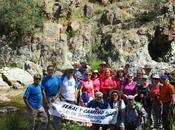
<point>68,90</point>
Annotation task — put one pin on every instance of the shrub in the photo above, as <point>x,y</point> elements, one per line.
<point>152,10</point>
<point>21,16</point>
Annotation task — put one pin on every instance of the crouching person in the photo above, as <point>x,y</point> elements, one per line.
<point>98,103</point>
<point>33,99</point>
<point>132,116</point>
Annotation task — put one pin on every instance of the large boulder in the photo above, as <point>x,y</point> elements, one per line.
<point>32,68</point>
<point>16,77</point>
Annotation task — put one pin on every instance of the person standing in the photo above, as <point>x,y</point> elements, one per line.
<point>33,99</point>
<point>155,102</point>
<point>116,103</point>
<point>51,85</point>
<point>68,90</point>
<point>108,84</point>
<point>132,115</point>
<point>167,97</point>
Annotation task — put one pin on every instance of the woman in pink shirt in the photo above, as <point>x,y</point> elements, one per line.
<point>87,88</point>
<point>130,87</point>
<point>120,78</point>
<point>96,81</point>
<point>108,83</point>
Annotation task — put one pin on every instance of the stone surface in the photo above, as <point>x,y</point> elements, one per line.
<point>15,75</point>
<point>32,68</point>
<point>8,109</point>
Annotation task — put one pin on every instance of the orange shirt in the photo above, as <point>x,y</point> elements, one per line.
<point>166,92</point>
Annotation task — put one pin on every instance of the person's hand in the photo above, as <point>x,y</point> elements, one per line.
<point>62,117</point>
<point>53,99</point>
<point>141,95</point>
<point>97,108</point>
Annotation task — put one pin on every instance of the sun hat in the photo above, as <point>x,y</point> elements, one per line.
<point>144,77</point>
<point>95,71</point>
<point>130,97</point>
<point>78,74</point>
<point>130,74</point>
<point>156,76</point>
<point>119,93</point>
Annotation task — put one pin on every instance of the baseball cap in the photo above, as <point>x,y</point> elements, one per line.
<point>164,77</point>
<point>156,76</point>
<point>144,77</point>
<point>130,97</point>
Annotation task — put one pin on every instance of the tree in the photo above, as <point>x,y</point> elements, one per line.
<point>20,16</point>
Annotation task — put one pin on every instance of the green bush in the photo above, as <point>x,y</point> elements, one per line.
<point>21,16</point>
<point>95,63</point>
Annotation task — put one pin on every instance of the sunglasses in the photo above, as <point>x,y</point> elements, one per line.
<point>37,78</point>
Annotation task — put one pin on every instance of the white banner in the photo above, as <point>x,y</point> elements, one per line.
<point>83,114</point>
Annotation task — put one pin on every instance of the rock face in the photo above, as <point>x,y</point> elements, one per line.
<point>120,32</point>
<point>16,77</point>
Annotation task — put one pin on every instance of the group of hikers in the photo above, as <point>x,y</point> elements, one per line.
<point>140,97</point>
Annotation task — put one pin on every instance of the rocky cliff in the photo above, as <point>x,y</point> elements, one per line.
<point>117,31</point>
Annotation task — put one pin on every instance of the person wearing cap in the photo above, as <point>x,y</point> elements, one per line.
<point>98,103</point>
<point>33,100</point>
<point>108,83</point>
<point>87,88</point>
<point>117,103</point>
<point>132,115</point>
<point>96,81</point>
<point>130,86</point>
<point>68,90</point>
<point>78,78</point>
<point>167,97</point>
<point>155,102</point>
<point>51,85</point>
<point>102,69</point>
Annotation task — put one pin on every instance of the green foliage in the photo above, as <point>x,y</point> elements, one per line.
<point>152,9</point>
<point>72,126</point>
<point>21,16</point>
<point>152,4</point>
<point>70,33</point>
<point>13,122</point>
<point>95,63</point>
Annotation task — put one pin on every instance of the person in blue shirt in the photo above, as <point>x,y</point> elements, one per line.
<point>51,85</point>
<point>33,100</point>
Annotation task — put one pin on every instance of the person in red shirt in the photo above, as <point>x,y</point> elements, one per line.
<point>108,83</point>
<point>103,67</point>
<point>155,101</point>
<point>167,97</point>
